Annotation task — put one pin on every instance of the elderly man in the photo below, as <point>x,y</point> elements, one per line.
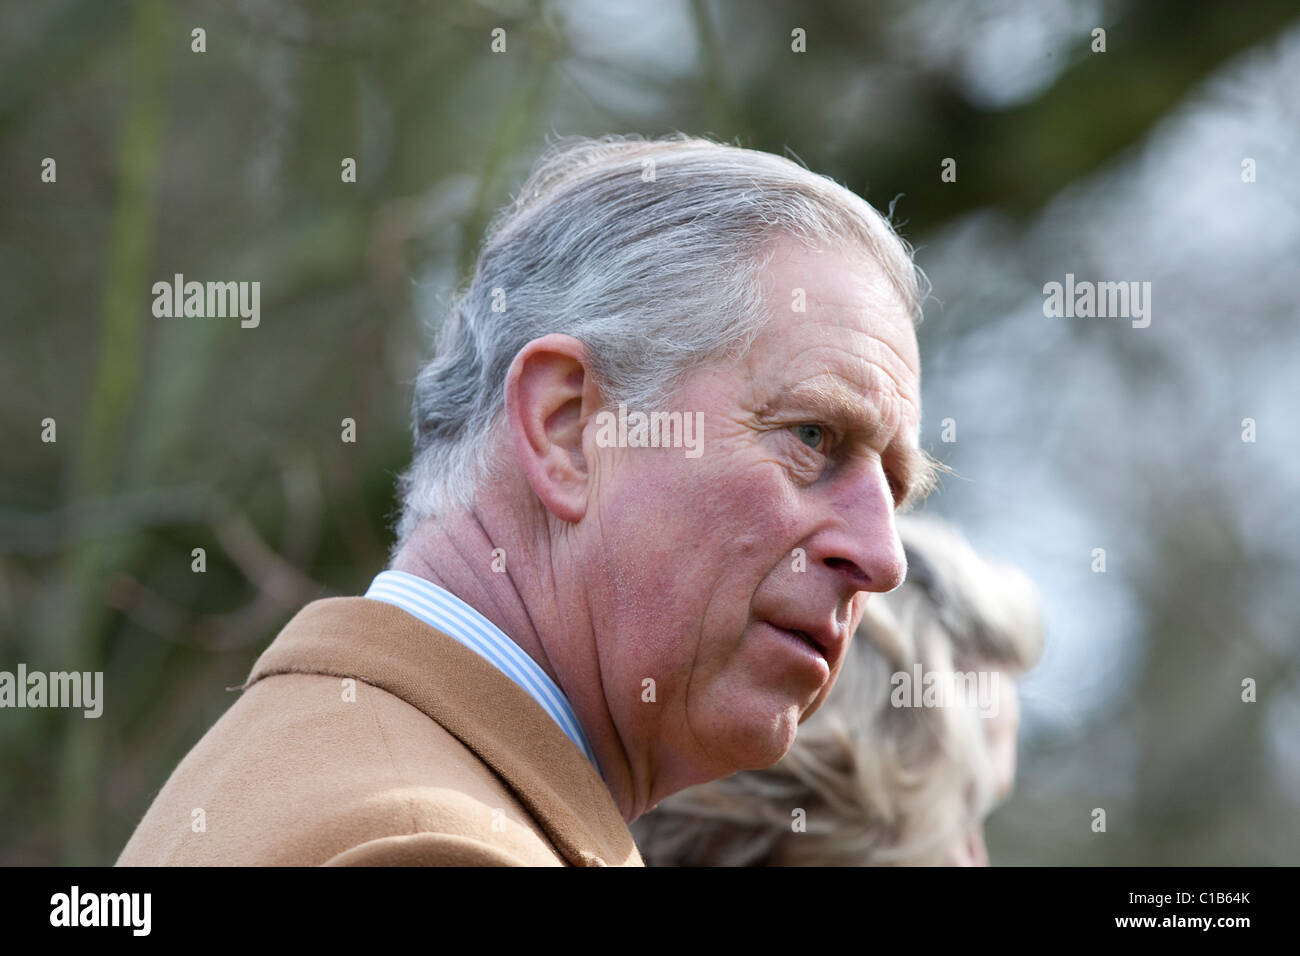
<point>580,620</point>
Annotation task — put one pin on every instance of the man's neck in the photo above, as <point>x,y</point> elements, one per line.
<point>457,554</point>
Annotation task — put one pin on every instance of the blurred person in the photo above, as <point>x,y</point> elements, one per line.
<point>879,781</point>
<point>580,617</point>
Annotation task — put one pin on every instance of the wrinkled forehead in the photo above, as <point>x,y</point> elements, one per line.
<point>837,327</point>
<point>842,286</point>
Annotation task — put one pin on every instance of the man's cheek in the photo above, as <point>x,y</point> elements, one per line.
<point>660,669</point>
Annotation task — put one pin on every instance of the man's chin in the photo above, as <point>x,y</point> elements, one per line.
<point>764,748</point>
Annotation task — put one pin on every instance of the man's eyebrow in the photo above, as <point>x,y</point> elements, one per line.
<point>922,472</point>
<point>836,403</point>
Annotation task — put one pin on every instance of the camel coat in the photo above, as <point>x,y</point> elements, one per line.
<point>365,737</point>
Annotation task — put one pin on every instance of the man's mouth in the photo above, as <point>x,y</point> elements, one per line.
<point>808,639</point>
<point>823,643</point>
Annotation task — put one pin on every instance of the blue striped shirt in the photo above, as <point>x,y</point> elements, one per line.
<point>442,610</point>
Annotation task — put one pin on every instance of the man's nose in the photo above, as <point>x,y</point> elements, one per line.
<point>864,545</point>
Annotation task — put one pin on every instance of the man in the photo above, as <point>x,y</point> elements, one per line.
<point>581,619</point>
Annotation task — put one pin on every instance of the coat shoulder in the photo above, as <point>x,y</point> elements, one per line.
<point>425,849</point>
<point>311,769</point>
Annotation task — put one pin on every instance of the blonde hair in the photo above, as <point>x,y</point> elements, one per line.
<point>878,784</point>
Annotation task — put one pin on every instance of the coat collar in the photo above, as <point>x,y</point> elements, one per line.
<point>469,697</point>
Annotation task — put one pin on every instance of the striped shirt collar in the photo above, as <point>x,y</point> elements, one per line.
<point>445,612</point>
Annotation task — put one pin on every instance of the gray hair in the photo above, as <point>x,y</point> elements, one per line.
<point>649,252</point>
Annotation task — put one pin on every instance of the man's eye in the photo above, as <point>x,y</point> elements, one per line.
<point>810,435</point>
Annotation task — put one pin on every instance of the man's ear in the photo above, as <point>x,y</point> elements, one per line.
<point>550,392</point>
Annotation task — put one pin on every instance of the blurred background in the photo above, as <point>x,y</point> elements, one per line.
<point>1071,434</point>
